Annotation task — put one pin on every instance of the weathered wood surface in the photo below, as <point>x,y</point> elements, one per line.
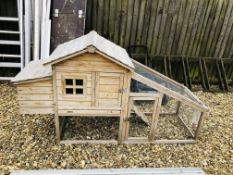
<point>101,89</point>
<point>183,27</point>
<point>128,171</point>
<point>36,98</point>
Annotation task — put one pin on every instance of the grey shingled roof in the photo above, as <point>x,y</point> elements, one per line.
<point>42,68</point>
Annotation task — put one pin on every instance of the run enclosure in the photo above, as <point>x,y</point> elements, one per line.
<point>91,76</point>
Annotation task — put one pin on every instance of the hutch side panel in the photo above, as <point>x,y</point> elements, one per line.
<point>89,84</point>
<point>36,97</point>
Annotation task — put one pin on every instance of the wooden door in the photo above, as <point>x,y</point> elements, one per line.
<point>109,89</point>
<point>68,20</point>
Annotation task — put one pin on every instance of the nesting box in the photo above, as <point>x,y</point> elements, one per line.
<point>91,76</point>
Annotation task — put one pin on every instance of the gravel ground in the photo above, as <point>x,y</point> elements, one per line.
<point>28,142</point>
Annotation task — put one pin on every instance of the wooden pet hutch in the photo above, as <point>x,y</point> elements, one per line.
<point>91,76</point>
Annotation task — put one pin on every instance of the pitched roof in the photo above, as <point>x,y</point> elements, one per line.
<point>34,70</point>
<point>42,68</point>
<point>101,44</point>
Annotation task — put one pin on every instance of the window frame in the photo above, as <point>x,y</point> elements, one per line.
<point>74,86</point>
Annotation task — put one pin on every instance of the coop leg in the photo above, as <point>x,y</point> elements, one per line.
<point>178,107</point>
<point>57,126</point>
<point>199,124</point>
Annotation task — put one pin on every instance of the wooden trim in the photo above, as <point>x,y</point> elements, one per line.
<point>164,141</point>
<point>74,86</point>
<point>154,95</point>
<point>155,117</point>
<point>32,80</point>
<point>88,115</point>
<point>52,62</point>
<point>202,115</point>
<point>125,108</point>
<point>169,92</point>
<point>57,122</point>
<point>114,60</point>
<point>93,83</point>
<point>178,107</point>
<point>112,141</point>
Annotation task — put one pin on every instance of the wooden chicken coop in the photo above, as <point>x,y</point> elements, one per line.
<point>92,76</point>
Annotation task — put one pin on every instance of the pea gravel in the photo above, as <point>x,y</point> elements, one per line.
<point>28,142</point>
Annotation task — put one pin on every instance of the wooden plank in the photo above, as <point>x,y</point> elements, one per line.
<point>109,95</point>
<point>140,25</point>
<point>123,16</point>
<point>162,27</point>
<point>35,104</point>
<point>184,27</point>
<point>117,21</point>
<point>43,83</point>
<point>112,17</point>
<point>129,22</point>
<point>146,21</point>
<point>122,171</point>
<point>87,112</point>
<point>160,142</point>
<point>134,26</point>
<point>43,110</point>
<point>56,117</point>
<point>111,141</point>
<point>125,108</point>
<point>155,117</point>
<point>225,31</point>
<point>202,48</point>
<point>108,88</point>
<point>153,95</point>
<point>203,114</point>
<point>73,104</point>
<point>100,9</point>
<point>217,26</point>
<point>197,22</point>
<point>157,26</point>
<point>36,97</point>
<point>187,40</point>
<point>173,31</point>
<point>179,27</point>
<point>109,80</point>
<point>108,103</point>
<point>204,14</point>
<point>152,22</point>
<point>34,90</point>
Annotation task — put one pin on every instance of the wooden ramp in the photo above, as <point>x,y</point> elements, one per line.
<point>140,114</point>
<point>135,171</point>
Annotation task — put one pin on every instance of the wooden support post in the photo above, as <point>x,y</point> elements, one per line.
<point>202,75</point>
<point>220,80</point>
<point>127,121</point>
<point>178,107</point>
<point>223,74</point>
<point>202,115</point>
<point>188,73</point>
<point>57,127</point>
<point>184,72</point>
<point>155,117</point>
<point>205,74</point>
<point>124,111</point>
<point>56,116</point>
